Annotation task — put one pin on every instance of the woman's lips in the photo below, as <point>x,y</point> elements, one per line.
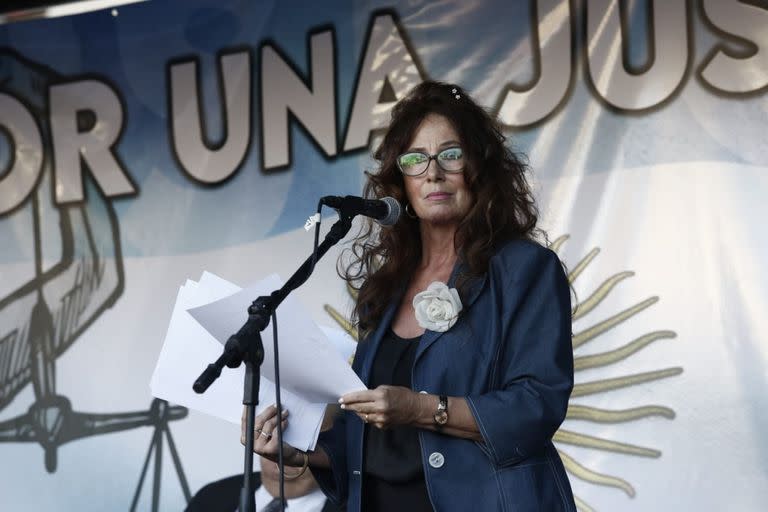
<point>436,196</point>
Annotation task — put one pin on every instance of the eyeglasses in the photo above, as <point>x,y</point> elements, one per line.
<point>415,163</point>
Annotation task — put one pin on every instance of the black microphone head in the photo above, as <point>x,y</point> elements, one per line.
<point>393,211</point>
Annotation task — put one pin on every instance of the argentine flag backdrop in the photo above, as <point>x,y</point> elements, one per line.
<point>141,146</point>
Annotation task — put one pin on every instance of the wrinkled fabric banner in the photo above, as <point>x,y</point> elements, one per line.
<point>143,145</point>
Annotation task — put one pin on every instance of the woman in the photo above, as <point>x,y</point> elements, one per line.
<point>465,331</point>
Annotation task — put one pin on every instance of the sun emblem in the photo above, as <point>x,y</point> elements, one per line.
<point>576,411</point>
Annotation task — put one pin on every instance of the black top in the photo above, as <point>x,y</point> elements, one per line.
<point>394,477</point>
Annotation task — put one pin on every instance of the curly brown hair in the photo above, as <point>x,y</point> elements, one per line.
<point>383,259</point>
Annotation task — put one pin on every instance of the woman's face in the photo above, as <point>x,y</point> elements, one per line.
<point>437,197</point>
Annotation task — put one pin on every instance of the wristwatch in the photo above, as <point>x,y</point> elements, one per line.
<point>441,414</point>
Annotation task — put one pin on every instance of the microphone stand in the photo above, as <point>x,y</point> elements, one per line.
<point>246,346</point>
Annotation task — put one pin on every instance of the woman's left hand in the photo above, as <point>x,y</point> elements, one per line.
<point>385,406</point>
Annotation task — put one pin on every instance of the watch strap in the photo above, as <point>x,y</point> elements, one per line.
<point>441,414</point>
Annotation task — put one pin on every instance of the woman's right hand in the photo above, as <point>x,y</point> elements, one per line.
<point>265,437</point>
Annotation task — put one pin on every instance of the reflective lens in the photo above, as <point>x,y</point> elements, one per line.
<point>415,163</point>
<point>451,159</point>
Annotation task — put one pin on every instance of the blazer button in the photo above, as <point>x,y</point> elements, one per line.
<point>436,460</point>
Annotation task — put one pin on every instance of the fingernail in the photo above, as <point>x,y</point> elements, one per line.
<point>343,406</point>
<point>341,400</point>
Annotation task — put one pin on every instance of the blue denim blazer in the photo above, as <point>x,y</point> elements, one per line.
<point>510,356</point>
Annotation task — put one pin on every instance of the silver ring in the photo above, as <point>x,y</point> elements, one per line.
<point>268,436</point>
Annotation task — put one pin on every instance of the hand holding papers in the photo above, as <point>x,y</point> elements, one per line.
<point>313,372</point>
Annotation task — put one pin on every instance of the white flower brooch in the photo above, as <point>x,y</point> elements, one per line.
<point>437,307</point>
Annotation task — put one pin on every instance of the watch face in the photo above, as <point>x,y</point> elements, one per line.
<point>441,417</point>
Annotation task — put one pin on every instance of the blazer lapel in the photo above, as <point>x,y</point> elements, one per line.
<point>473,291</point>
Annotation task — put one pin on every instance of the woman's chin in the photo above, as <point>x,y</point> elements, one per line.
<point>441,219</point>
<point>442,212</point>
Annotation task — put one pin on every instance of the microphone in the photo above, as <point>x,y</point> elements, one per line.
<point>384,211</point>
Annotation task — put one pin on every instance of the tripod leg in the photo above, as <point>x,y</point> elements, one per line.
<point>158,440</point>
<point>142,476</point>
<point>177,464</point>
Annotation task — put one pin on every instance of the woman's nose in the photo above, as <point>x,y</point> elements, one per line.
<point>434,172</point>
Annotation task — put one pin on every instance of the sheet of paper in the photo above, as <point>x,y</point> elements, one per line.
<point>310,366</point>
<point>188,348</point>
<point>344,344</point>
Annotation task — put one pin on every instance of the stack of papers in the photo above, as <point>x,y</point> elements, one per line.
<point>314,368</point>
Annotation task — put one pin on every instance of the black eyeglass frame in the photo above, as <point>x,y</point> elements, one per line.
<point>429,159</point>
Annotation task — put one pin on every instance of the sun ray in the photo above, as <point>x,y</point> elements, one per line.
<point>580,266</point>
<point>612,356</point>
<point>581,506</point>
<point>340,319</point>
<point>611,322</point>
<point>587,305</point>
<point>594,477</point>
<point>586,441</point>
<point>352,291</point>
<point>558,243</point>
<point>591,388</point>
<point>584,412</point>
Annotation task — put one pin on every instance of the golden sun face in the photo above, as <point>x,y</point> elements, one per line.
<point>577,412</point>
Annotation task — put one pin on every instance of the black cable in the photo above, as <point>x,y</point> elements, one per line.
<point>317,235</point>
<point>315,244</point>
<point>278,402</point>
<point>279,406</point>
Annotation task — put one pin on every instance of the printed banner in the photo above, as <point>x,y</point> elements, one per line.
<point>143,145</point>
